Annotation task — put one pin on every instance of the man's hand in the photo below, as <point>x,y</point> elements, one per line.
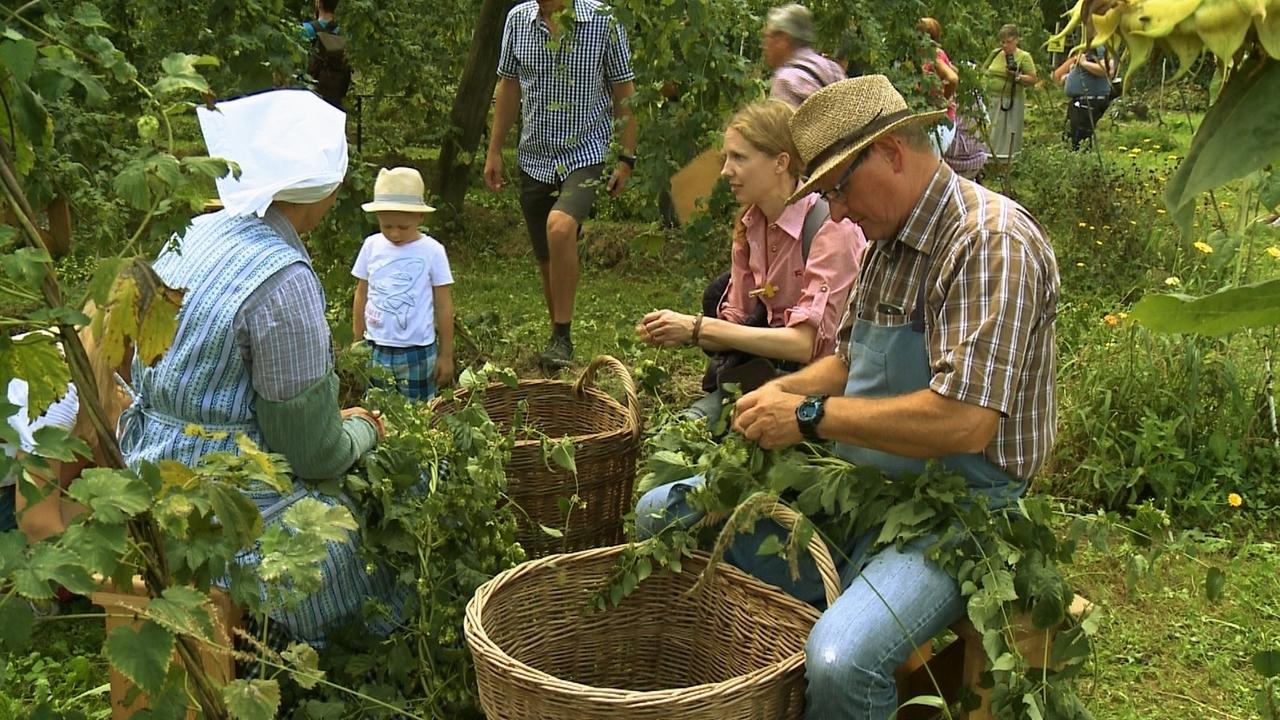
<point>493,170</point>
<point>617,181</point>
<point>767,416</point>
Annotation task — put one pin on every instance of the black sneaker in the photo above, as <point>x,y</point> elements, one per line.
<point>558,355</point>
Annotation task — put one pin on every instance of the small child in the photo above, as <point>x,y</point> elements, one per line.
<point>403,306</point>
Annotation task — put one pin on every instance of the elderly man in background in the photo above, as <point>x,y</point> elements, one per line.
<point>798,70</point>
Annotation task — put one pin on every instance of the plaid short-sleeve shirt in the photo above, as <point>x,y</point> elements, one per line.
<point>991,297</point>
<point>566,86</point>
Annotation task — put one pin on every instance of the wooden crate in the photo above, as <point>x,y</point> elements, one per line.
<point>218,665</point>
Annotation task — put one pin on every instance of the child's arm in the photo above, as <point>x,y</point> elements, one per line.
<point>357,311</point>
<point>443,297</point>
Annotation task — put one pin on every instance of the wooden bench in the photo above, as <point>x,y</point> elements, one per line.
<point>958,666</point>
<point>124,608</point>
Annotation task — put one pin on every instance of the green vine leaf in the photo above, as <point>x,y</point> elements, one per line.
<point>113,496</point>
<point>328,523</point>
<point>181,74</point>
<point>16,624</point>
<point>19,58</point>
<point>1215,583</point>
<point>1267,663</point>
<point>304,664</point>
<point>252,699</point>
<point>58,444</point>
<point>183,611</point>
<point>48,564</point>
<point>142,655</point>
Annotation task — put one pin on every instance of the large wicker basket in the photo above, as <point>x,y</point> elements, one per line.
<point>606,439</point>
<point>732,648</point>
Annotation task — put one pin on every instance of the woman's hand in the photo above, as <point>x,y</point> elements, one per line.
<point>666,328</point>
<point>373,416</point>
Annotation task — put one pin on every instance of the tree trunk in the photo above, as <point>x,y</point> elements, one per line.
<point>470,107</point>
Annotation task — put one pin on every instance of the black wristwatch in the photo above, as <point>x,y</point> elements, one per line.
<point>809,414</point>
<point>630,160</point>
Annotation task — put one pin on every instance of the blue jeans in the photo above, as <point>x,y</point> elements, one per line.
<point>893,602</point>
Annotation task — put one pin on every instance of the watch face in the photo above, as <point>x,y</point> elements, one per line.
<point>807,411</point>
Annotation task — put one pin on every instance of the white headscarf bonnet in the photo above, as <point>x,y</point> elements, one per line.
<point>290,145</point>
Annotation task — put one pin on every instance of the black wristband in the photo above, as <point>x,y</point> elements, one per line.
<point>630,160</point>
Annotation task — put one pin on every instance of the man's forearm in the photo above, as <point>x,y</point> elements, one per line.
<point>921,424</point>
<point>505,108</point>
<point>627,130</point>
<point>825,376</point>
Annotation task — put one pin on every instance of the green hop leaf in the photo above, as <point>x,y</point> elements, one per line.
<point>304,664</point>
<point>1215,582</point>
<point>184,611</point>
<point>252,699</point>
<point>142,655</point>
<point>113,496</point>
<point>16,623</point>
<point>329,523</point>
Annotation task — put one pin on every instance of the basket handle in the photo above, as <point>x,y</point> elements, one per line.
<point>789,519</point>
<point>588,377</point>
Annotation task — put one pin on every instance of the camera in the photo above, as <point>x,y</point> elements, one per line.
<point>1011,63</point>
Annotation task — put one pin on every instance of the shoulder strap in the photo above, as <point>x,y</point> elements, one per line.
<point>818,214</point>
<point>810,72</point>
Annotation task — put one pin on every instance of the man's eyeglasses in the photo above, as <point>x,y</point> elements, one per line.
<point>837,190</point>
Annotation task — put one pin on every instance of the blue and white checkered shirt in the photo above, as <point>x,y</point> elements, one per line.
<point>565,86</point>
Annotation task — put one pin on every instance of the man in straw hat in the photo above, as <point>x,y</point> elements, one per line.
<point>798,70</point>
<point>566,67</point>
<point>252,352</point>
<point>946,352</point>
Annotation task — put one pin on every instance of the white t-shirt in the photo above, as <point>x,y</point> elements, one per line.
<point>60,414</point>
<point>400,311</point>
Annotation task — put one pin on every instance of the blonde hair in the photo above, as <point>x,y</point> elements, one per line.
<point>764,126</point>
<point>1008,32</point>
<point>931,27</point>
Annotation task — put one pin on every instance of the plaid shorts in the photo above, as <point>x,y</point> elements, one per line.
<point>414,368</point>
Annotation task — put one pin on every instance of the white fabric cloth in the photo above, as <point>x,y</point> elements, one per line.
<point>400,311</point>
<point>60,414</point>
<point>289,144</point>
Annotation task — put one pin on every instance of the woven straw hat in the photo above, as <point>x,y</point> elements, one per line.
<point>398,190</point>
<point>841,119</point>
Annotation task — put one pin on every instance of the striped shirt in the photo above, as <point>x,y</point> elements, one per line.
<point>804,74</point>
<point>281,328</point>
<point>990,302</point>
<point>566,86</point>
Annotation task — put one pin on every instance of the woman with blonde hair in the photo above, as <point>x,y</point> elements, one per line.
<point>791,267</point>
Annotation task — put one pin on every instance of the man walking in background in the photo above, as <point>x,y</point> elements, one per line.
<point>568,70</point>
<point>798,70</point>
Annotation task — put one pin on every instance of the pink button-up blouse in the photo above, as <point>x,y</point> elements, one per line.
<point>769,256</point>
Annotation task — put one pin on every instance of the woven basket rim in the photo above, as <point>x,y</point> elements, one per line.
<point>614,407</point>
<point>478,639</point>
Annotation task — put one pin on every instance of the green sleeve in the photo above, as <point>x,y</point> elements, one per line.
<point>308,430</point>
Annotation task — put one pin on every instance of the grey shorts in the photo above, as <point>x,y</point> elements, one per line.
<point>574,197</point>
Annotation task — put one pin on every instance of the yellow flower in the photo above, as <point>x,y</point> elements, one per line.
<point>1122,148</point>
<point>1234,500</point>
<point>1172,281</point>
<point>1224,204</point>
<point>1110,320</point>
<point>1123,315</point>
<point>1204,247</point>
<point>1146,140</point>
<point>1173,157</point>
<point>1274,252</point>
<point>1097,242</point>
<point>1079,264</point>
<point>1092,227</point>
<point>1160,211</point>
<point>1084,224</point>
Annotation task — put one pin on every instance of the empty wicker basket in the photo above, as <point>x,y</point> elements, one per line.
<point>731,649</point>
<point>606,438</point>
